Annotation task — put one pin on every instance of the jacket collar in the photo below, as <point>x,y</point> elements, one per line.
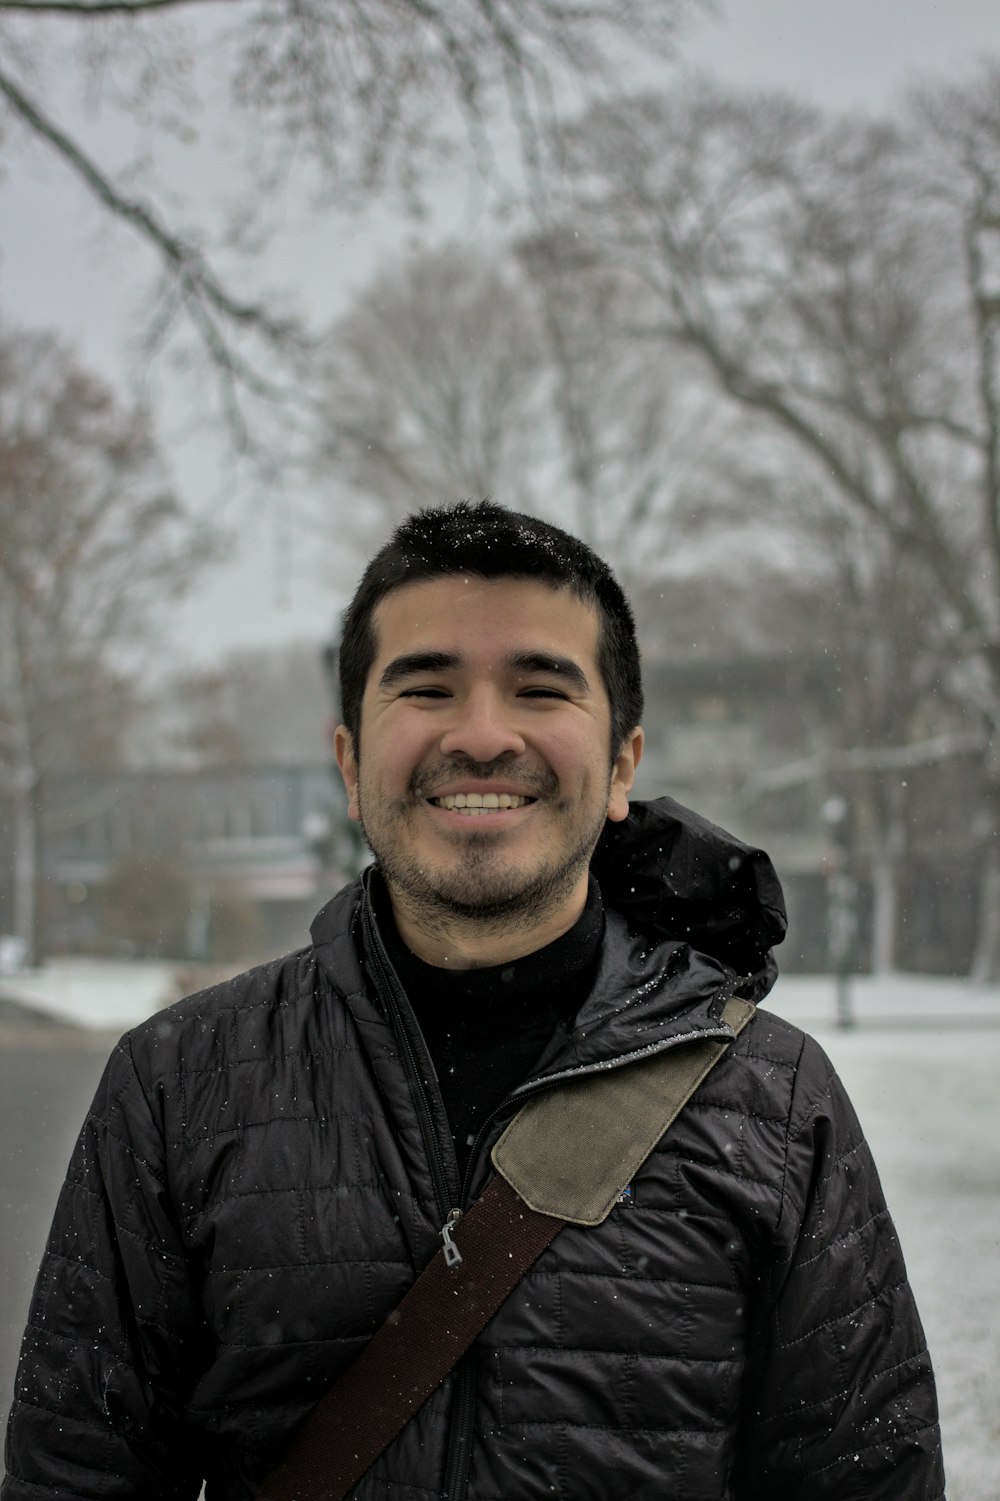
<point>692,914</point>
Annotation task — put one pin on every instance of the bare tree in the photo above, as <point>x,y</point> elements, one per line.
<point>458,374</point>
<point>960,137</point>
<point>436,389</point>
<point>93,541</point>
<point>639,437</point>
<point>879,713</point>
<point>263,706</point>
<point>832,278</point>
<point>339,101</point>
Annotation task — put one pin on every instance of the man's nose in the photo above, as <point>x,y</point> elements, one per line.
<point>482,729</point>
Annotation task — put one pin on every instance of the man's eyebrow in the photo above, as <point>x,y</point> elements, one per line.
<point>416,661</point>
<point>541,661</point>
<point>412,663</point>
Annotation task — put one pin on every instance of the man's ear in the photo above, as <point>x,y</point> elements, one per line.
<point>343,749</point>
<point>623,775</point>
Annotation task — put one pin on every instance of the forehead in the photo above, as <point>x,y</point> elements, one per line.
<point>485,621</point>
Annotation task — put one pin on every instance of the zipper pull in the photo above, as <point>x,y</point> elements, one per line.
<point>452,1255</point>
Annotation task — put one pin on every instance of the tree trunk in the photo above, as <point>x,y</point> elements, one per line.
<point>885,907</point>
<point>887,867</point>
<point>986,958</point>
<point>26,867</point>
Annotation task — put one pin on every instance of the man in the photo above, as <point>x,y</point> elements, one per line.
<point>269,1165</point>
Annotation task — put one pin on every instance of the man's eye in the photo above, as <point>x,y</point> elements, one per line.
<point>542,693</point>
<point>423,693</point>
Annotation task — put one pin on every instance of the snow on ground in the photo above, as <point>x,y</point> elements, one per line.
<point>921,1065</point>
<point>99,994</point>
<point>109,995</point>
<point>922,1068</point>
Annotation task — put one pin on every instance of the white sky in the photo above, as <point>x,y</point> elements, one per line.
<point>845,53</point>
<point>62,266</point>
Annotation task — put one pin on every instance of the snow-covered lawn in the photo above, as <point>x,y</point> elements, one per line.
<point>922,1066</point>
<point>102,994</point>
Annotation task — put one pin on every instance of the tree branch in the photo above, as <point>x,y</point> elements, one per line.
<point>199,290</point>
<point>919,531</point>
<point>863,758</point>
<point>102,7</point>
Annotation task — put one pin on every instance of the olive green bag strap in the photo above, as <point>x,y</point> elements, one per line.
<point>572,1151</point>
<point>567,1156</point>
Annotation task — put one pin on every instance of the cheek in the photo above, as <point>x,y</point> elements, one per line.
<point>400,749</point>
<point>579,759</point>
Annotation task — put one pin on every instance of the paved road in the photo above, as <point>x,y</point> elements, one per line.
<point>48,1075</point>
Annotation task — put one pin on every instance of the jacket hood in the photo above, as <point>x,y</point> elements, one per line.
<point>675,876</point>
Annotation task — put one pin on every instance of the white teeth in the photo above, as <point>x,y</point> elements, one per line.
<point>480,802</point>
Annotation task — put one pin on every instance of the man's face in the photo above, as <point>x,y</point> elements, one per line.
<point>484,778</point>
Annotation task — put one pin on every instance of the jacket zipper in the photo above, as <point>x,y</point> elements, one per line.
<point>397,1007</point>
<point>463,1410</point>
<point>459,1449</point>
<point>463,1401</point>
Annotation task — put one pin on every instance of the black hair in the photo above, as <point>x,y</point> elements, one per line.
<point>490,542</point>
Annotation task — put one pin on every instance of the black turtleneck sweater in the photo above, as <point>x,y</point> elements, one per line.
<point>485,1028</point>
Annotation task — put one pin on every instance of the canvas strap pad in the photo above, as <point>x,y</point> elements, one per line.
<point>572,1151</point>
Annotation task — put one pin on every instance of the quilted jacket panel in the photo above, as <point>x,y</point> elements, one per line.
<point>252,1194</point>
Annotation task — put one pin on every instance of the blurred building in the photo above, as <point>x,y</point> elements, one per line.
<point>743,739</point>
<point>213,863</point>
<point>231,862</point>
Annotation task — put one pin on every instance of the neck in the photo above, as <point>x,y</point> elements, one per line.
<point>452,942</point>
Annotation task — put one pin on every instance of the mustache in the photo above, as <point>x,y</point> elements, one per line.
<point>535,782</point>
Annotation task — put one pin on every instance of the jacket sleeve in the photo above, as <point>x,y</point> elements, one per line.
<point>113,1324</point>
<point>841,1402</point>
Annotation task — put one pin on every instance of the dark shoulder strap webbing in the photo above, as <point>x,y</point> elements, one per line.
<point>567,1156</point>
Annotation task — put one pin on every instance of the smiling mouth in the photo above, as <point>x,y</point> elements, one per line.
<point>474,804</point>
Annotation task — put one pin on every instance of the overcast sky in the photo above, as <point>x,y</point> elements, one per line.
<point>62,267</point>
<point>845,53</point>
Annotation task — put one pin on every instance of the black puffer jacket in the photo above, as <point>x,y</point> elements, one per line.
<point>265,1168</point>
